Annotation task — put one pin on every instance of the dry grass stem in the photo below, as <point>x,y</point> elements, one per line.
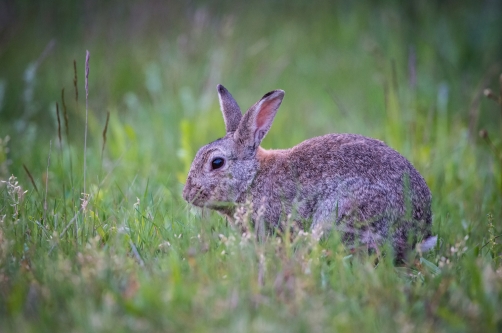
<point>31,178</point>
<point>67,130</point>
<point>65,113</point>
<point>104,132</point>
<point>59,124</point>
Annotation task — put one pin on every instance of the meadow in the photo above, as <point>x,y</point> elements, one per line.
<point>95,235</point>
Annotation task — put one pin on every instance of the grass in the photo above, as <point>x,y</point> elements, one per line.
<point>128,254</point>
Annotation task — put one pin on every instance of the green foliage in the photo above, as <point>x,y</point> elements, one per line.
<point>131,255</point>
<point>4,150</point>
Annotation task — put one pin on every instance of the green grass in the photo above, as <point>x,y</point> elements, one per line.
<point>138,258</point>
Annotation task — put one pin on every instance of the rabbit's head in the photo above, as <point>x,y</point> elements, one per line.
<point>223,170</point>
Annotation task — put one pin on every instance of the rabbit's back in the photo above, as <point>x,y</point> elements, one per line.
<point>359,184</point>
<point>338,156</point>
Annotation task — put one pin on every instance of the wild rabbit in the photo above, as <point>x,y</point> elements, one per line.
<point>361,187</point>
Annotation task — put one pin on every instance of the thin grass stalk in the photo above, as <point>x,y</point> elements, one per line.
<point>75,85</point>
<point>67,132</point>
<point>500,156</point>
<point>105,130</point>
<point>31,178</point>
<point>61,154</point>
<point>60,149</point>
<point>87,56</point>
<point>59,125</point>
<point>65,114</point>
<point>47,182</point>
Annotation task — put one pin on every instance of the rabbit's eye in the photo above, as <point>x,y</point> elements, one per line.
<point>217,163</point>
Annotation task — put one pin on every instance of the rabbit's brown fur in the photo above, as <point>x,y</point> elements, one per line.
<point>357,185</point>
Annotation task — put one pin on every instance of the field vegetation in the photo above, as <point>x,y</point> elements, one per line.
<point>110,245</point>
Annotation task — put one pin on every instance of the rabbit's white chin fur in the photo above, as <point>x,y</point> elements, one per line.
<point>350,183</point>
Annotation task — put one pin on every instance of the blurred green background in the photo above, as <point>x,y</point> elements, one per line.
<point>411,73</point>
<point>345,67</point>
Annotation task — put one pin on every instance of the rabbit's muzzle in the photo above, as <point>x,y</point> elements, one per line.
<point>193,193</point>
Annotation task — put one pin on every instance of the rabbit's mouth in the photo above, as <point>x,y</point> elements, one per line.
<point>195,196</point>
<point>200,198</point>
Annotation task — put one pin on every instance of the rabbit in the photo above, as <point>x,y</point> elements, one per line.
<point>356,185</point>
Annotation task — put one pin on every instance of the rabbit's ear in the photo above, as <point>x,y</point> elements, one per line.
<point>258,119</point>
<point>231,112</point>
